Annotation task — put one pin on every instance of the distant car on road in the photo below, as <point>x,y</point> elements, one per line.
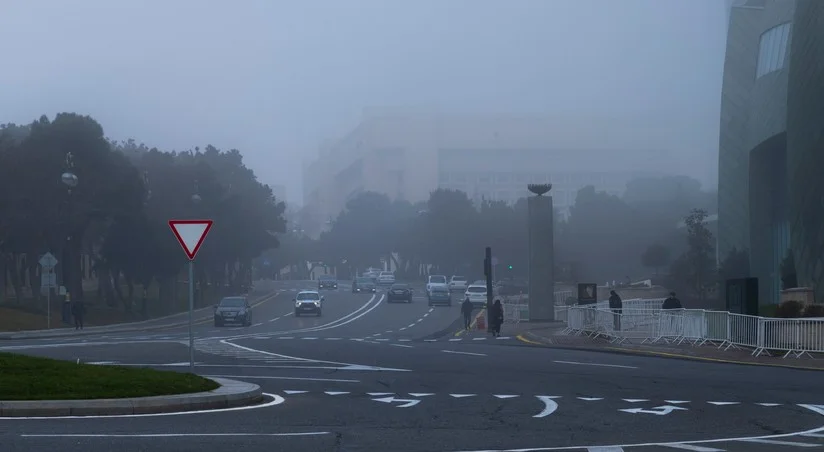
<point>457,283</point>
<point>327,282</point>
<point>399,292</point>
<point>363,284</point>
<point>233,310</point>
<point>440,295</point>
<point>435,280</point>
<point>308,302</point>
<point>386,278</point>
<point>476,294</point>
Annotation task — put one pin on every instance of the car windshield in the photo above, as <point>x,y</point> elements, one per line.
<point>364,280</point>
<point>327,278</point>
<point>308,296</point>
<point>437,279</point>
<point>459,278</point>
<point>234,302</point>
<point>440,289</point>
<point>399,287</point>
<point>476,289</point>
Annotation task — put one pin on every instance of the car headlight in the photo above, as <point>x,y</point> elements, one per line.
<point>317,303</point>
<point>297,304</point>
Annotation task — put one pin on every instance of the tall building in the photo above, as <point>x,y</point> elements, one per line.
<point>772,75</point>
<point>407,154</point>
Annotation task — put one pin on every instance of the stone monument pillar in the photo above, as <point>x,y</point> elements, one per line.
<point>541,254</point>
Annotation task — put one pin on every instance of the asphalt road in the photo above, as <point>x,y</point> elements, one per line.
<point>373,376</point>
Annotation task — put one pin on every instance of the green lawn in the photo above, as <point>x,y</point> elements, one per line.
<point>30,378</point>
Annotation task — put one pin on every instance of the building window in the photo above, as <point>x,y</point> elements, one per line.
<point>772,49</point>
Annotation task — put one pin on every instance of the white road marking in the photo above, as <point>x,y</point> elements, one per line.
<point>377,394</point>
<point>387,332</point>
<point>332,338</point>
<point>455,340</point>
<point>594,364</point>
<point>503,337</point>
<point>404,340</point>
<point>276,400</point>
<point>431,309</point>
<point>723,403</point>
<point>272,377</point>
<point>813,435</point>
<point>635,400</point>
<point>549,405</point>
<point>463,353</point>
<point>692,448</point>
<point>402,345</point>
<point>309,338</point>
<point>165,435</point>
<point>505,396</point>
<point>257,324</point>
<point>769,404</point>
<point>779,443</point>
<point>478,338</point>
<point>410,325</point>
<point>421,394</point>
<point>605,449</point>
<point>659,410</point>
<point>590,399</point>
<point>460,396</point>
<point>401,329</point>
<point>382,340</point>
<point>335,392</point>
<point>102,363</point>
<point>405,403</point>
<point>289,391</point>
<point>272,320</point>
<point>285,337</point>
<point>677,402</point>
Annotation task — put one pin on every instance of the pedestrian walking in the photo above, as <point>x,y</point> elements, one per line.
<point>466,310</point>
<point>496,318</point>
<point>78,311</point>
<point>672,302</point>
<point>617,306</point>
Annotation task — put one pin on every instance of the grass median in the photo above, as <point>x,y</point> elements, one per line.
<point>32,378</point>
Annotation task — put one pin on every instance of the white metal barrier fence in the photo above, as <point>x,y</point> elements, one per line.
<point>644,320</point>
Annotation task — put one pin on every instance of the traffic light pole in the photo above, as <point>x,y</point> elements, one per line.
<point>488,274</point>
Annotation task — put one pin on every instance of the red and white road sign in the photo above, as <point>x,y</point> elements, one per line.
<point>190,234</point>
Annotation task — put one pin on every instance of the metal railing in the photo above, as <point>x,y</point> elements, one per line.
<point>643,321</point>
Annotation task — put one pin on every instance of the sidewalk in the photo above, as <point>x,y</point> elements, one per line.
<point>200,316</point>
<point>549,334</point>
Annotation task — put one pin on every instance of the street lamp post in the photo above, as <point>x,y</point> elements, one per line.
<point>70,180</point>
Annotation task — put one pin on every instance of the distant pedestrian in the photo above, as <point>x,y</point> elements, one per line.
<point>78,311</point>
<point>496,314</point>
<point>466,310</point>
<point>617,306</point>
<point>672,302</point>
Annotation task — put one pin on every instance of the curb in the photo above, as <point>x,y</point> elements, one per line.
<point>230,394</point>
<point>131,328</point>
<point>534,339</point>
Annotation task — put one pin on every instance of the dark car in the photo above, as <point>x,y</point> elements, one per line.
<point>440,295</point>
<point>233,310</point>
<point>363,285</point>
<point>327,282</point>
<point>399,292</point>
<point>308,302</point>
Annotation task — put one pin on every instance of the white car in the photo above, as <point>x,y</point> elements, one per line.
<point>457,283</point>
<point>435,280</point>
<point>386,278</point>
<point>476,294</point>
<point>308,302</point>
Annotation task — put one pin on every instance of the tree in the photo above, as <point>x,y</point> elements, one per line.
<point>656,256</point>
<point>695,269</point>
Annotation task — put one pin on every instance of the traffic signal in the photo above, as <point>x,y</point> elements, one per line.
<point>510,267</point>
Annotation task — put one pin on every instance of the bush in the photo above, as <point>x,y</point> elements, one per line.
<point>790,309</point>
<point>813,310</point>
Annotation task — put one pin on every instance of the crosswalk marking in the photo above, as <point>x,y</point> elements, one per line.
<point>692,448</point>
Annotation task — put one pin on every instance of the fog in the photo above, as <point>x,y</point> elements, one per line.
<point>274,78</point>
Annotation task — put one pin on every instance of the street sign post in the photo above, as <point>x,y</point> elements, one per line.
<point>48,280</point>
<point>190,234</point>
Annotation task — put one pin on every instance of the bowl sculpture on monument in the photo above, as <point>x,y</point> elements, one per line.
<point>539,189</point>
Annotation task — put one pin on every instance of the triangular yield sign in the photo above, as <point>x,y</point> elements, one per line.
<point>190,234</point>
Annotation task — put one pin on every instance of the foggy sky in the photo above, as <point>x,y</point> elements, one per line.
<point>275,78</point>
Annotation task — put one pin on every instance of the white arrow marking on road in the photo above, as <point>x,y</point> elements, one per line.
<point>723,403</point>
<point>295,392</point>
<point>591,399</point>
<point>335,392</point>
<point>460,396</point>
<point>405,403</point>
<point>377,394</point>
<point>659,410</point>
<point>421,394</point>
<point>768,404</point>
<point>677,402</point>
<point>635,400</point>
<point>549,405</point>
<point>505,396</point>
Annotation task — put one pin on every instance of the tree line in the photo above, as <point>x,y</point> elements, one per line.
<point>658,229</point>
<point>102,208</point>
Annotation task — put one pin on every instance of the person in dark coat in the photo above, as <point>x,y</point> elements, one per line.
<point>78,311</point>
<point>496,318</point>
<point>672,302</point>
<point>466,310</point>
<point>616,305</point>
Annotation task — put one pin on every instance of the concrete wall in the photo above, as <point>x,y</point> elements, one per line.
<point>805,144</point>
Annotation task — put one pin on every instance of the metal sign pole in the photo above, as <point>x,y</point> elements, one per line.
<point>191,314</point>
<point>48,310</point>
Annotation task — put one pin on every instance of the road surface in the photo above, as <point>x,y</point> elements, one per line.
<point>372,376</point>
